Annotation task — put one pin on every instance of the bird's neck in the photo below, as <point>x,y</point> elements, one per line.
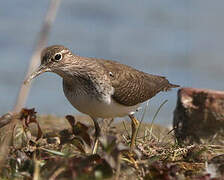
<point>87,75</point>
<point>73,73</point>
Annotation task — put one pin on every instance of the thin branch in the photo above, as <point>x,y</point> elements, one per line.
<point>10,119</point>
<point>42,42</point>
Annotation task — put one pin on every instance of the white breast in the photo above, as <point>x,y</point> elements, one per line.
<point>99,109</point>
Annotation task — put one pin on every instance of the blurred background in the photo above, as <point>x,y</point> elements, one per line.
<point>182,40</point>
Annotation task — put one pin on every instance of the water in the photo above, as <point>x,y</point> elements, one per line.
<point>182,40</point>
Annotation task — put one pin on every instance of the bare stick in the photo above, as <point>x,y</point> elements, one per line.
<point>42,41</point>
<point>24,90</point>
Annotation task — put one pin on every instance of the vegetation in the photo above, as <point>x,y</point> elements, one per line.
<point>60,148</point>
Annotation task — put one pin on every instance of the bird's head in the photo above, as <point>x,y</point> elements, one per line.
<point>53,59</point>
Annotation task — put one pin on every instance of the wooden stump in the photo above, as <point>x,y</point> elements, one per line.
<point>199,116</point>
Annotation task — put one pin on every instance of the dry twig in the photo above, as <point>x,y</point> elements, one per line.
<point>42,41</point>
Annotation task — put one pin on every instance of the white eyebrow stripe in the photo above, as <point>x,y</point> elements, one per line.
<point>64,51</point>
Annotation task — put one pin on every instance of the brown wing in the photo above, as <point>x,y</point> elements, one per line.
<point>132,86</point>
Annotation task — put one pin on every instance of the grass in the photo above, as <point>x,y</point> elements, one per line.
<point>62,150</point>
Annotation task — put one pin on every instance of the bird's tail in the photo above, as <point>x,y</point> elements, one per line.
<point>170,86</point>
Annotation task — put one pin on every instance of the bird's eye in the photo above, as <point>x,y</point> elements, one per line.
<point>111,74</point>
<point>58,57</point>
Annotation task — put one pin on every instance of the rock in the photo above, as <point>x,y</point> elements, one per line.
<point>199,116</point>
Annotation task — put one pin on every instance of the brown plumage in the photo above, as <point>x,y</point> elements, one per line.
<point>133,86</point>
<point>101,88</point>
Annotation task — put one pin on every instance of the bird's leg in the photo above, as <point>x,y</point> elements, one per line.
<point>97,134</point>
<point>134,127</point>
